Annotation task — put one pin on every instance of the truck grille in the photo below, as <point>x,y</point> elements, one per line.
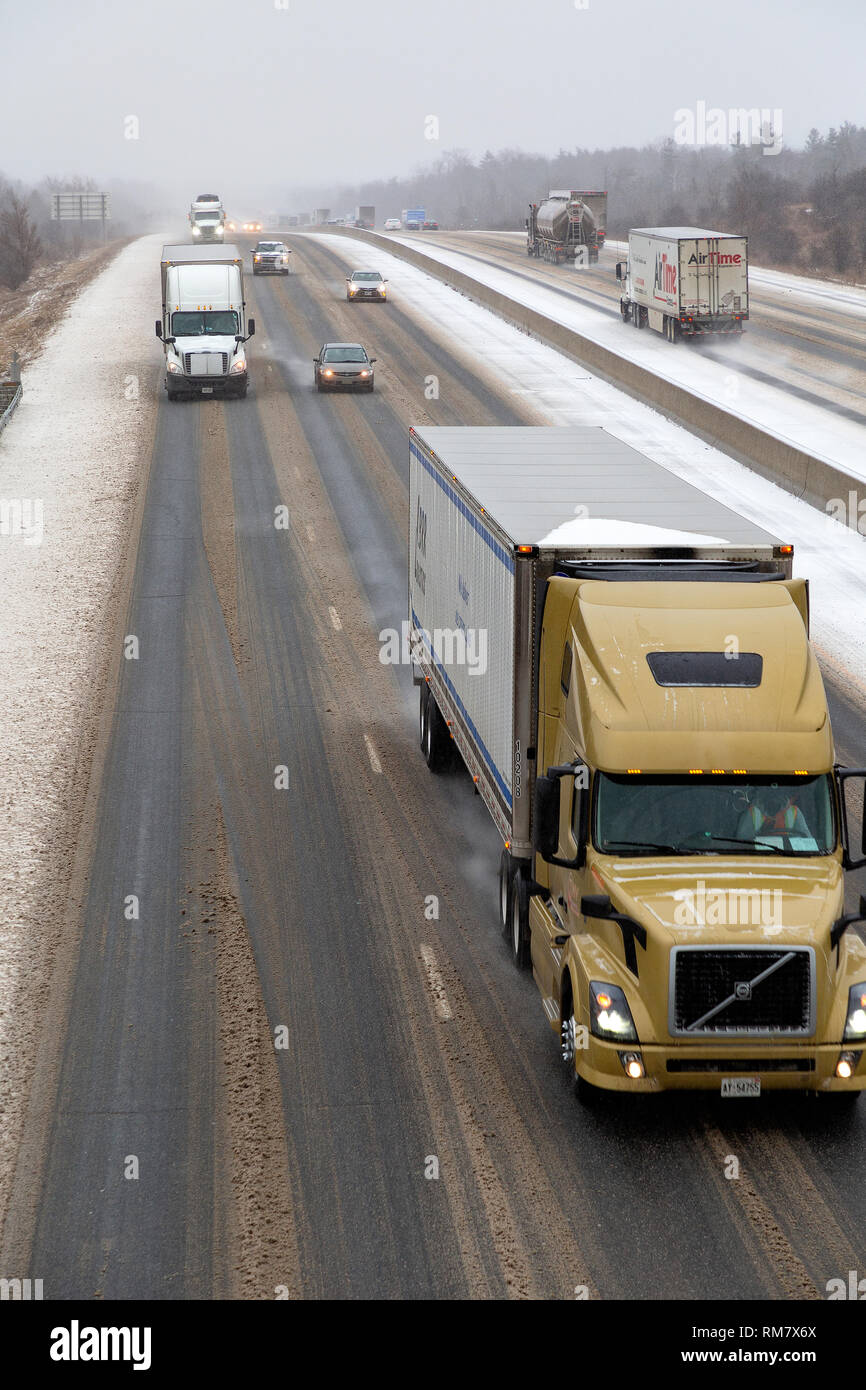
<point>742,990</point>
<point>205,363</point>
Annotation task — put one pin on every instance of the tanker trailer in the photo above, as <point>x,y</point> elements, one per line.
<point>568,225</point>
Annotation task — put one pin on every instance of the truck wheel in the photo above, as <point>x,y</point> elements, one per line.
<point>625,310</point>
<point>436,740</point>
<point>506,878</point>
<point>519,933</point>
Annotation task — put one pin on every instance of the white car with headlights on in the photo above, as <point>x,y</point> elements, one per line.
<point>366,284</point>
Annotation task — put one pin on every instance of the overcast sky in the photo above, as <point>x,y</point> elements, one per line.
<point>248,97</point>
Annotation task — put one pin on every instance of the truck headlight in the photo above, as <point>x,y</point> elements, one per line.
<point>172,366</point>
<point>239,366</point>
<point>219,231</point>
<point>855,1023</point>
<point>196,231</point>
<point>610,1016</point>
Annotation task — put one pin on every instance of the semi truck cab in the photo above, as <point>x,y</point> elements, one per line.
<point>686,923</point>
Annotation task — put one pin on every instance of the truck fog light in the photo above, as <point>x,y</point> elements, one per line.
<point>847,1064</point>
<point>632,1065</point>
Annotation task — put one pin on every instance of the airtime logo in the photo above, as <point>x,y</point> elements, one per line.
<point>716,258</point>
<point>666,274</point>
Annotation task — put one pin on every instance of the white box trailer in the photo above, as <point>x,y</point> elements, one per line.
<point>685,281</point>
<point>494,514</point>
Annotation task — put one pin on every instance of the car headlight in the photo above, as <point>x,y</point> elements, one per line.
<point>364,372</point>
<point>239,366</point>
<point>172,366</point>
<point>855,1023</point>
<point>352,290</point>
<point>610,1016</point>
<point>328,372</point>
<point>257,258</point>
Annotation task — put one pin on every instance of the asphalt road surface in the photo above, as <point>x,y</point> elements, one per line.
<point>291,1006</point>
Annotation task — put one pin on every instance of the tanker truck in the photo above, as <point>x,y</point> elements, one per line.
<point>567,226</point>
<point>623,664</point>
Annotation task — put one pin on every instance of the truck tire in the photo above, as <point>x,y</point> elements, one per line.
<point>435,738</point>
<point>518,935</point>
<point>506,878</point>
<point>625,310</point>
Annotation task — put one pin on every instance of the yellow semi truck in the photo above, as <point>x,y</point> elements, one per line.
<point>623,664</point>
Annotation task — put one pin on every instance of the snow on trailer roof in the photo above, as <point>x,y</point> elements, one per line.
<point>680,233</point>
<point>578,485</point>
<point>189,253</point>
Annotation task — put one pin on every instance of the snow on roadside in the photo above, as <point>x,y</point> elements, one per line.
<point>830,554</point>
<point>70,466</point>
<point>824,433</point>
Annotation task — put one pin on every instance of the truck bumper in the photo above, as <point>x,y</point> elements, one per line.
<point>693,328</point>
<point>177,385</point>
<point>783,1067</point>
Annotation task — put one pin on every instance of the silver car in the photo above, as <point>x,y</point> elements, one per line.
<point>343,364</point>
<point>366,284</point>
<point>271,258</point>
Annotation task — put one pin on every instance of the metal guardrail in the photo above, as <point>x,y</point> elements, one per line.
<point>10,391</point>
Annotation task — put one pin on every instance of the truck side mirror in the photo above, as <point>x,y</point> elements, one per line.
<point>619,270</point>
<point>633,934</point>
<point>251,328</point>
<point>842,776</point>
<point>545,820</point>
<point>841,925</point>
<point>158,329</point>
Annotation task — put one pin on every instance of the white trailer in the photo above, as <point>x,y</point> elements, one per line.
<point>204,323</point>
<point>493,514</point>
<point>685,281</point>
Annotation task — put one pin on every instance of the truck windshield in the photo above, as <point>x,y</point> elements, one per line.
<point>697,814</point>
<point>188,323</point>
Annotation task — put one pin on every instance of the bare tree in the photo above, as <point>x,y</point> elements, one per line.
<point>20,246</point>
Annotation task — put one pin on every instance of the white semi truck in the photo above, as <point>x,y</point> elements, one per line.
<point>685,281</point>
<point>204,323</point>
<point>623,664</point>
<point>207,219</point>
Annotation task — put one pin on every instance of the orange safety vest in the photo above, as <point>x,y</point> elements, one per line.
<point>783,820</point>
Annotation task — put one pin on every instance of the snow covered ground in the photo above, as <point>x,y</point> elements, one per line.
<point>70,466</point>
<point>830,554</point>
<point>824,433</point>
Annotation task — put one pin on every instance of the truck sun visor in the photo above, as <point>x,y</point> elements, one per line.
<point>706,668</point>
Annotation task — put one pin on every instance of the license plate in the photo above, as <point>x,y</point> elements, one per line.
<point>207,390</point>
<point>741,1086</point>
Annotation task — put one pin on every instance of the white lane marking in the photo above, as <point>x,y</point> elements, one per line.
<point>434,980</point>
<point>335,619</point>
<point>297,473</point>
<point>311,535</point>
<point>372,754</point>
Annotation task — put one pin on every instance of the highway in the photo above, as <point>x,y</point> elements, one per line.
<point>256,1074</point>
<point>808,342</point>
